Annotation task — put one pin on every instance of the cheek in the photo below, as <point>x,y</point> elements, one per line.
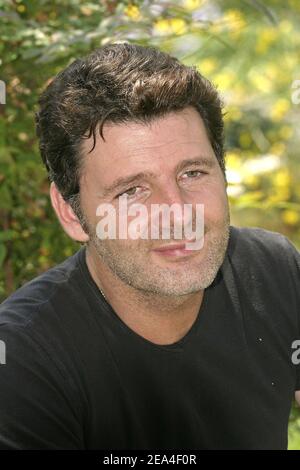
<point>214,198</point>
<point>89,207</point>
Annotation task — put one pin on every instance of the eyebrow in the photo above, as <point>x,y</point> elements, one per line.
<point>122,182</point>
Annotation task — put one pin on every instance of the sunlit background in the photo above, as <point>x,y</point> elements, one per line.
<point>250,49</point>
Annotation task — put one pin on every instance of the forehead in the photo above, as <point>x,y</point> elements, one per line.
<point>157,148</point>
<point>164,134</point>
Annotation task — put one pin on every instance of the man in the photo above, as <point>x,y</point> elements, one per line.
<point>142,343</point>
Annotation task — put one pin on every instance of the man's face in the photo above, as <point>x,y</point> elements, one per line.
<point>161,152</point>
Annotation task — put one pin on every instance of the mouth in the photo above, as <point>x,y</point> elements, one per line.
<point>175,250</point>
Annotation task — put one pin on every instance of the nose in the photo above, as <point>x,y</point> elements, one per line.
<point>170,199</point>
<point>169,193</point>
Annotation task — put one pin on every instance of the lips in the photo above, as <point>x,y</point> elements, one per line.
<point>170,247</point>
<point>174,250</point>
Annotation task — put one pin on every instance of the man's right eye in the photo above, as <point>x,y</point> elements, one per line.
<point>129,192</point>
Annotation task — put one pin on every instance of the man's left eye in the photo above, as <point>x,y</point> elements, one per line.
<point>193,173</point>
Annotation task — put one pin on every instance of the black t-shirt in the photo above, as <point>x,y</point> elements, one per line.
<point>77,377</point>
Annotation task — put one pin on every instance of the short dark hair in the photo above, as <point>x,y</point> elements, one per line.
<point>117,83</point>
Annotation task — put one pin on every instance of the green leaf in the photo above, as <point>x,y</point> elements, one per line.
<point>2,254</point>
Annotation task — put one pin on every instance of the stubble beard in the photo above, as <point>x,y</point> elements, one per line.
<point>132,262</point>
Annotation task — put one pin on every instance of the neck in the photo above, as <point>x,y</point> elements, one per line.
<point>158,318</point>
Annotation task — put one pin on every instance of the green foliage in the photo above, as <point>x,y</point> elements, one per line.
<point>250,49</point>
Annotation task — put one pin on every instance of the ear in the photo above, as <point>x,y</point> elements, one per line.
<point>66,216</point>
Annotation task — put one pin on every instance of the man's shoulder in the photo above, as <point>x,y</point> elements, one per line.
<point>259,246</point>
<point>257,238</point>
<point>22,306</point>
